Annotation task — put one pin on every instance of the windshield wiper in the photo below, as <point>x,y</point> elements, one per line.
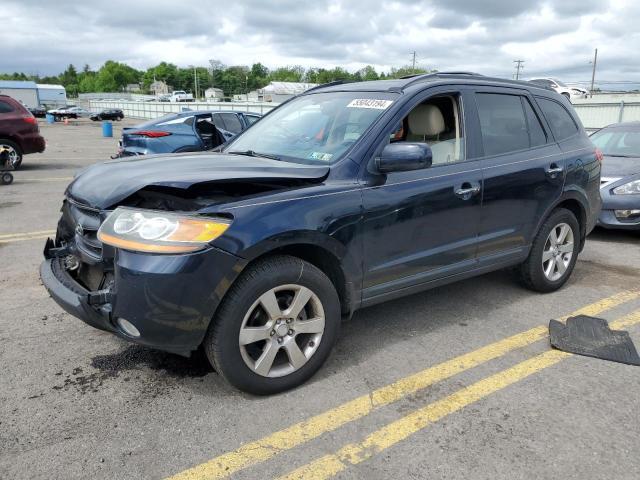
<point>618,155</point>
<point>251,153</point>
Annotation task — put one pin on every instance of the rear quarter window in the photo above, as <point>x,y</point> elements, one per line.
<point>560,120</point>
<point>5,107</point>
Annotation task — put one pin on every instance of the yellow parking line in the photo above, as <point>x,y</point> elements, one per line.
<point>394,432</point>
<point>299,433</point>
<point>19,237</point>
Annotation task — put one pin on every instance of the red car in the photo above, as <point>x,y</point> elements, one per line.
<point>19,131</point>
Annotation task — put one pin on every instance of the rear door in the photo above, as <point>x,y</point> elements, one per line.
<point>523,172</point>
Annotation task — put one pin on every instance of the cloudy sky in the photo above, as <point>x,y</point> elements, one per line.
<point>553,37</point>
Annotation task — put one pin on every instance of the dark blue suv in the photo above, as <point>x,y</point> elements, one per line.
<point>341,198</point>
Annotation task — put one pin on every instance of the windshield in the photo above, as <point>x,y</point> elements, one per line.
<point>314,129</point>
<point>618,142</point>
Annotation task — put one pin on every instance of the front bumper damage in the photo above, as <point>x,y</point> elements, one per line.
<point>170,299</point>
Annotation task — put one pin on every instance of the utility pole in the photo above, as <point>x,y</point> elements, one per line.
<point>413,62</point>
<point>519,66</point>
<point>195,80</point>
<point>593,72</point>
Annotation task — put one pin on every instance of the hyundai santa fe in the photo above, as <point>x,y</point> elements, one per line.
<point>343,197</point>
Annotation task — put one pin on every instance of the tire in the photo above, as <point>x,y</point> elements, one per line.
<point>553,272</point>
<point>274,278</point>
<point>7,178</point>
<point>14,151</point>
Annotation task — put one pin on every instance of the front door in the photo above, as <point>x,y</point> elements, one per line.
<point>422,225</point>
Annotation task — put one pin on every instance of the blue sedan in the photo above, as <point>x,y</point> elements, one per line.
<point>190,131</point>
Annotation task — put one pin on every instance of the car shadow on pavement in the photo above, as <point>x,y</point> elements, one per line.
<point>630,237</point>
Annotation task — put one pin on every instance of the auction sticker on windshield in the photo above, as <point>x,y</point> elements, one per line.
<point>370,103</point>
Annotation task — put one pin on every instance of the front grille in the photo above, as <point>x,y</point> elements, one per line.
<point>82,224</point>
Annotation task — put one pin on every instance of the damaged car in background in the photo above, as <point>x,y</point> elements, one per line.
<point>343,197</point>
<point>189,131</point>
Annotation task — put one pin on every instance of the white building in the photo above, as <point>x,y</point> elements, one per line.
<point>158,87</point>
<point>280,91</point>
<point>23,91</point>
<point>32,94</point>
<point>276,92</point>
<point>214,94</point>
<point>52,95</point>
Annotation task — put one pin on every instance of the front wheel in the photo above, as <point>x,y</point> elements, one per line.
<point>554,253</point>
<point>275,327</point>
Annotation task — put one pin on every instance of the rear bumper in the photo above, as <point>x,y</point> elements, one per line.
<point>33,143</point>
<point>169,298</point>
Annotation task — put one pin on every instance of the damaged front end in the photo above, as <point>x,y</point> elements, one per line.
<point>168,296</point>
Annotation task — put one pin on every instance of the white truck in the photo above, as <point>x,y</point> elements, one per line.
<point>181,96</point>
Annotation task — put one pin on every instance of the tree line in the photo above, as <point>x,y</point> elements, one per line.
<point>115,76</point>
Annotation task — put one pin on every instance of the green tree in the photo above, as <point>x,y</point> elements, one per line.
<point>114,76</point>
<point>287,74</point>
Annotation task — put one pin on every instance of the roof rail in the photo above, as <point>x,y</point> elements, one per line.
<point>424,76</point>
<point>329,84</point>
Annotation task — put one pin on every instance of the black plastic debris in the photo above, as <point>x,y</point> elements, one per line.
<point>592,337</point>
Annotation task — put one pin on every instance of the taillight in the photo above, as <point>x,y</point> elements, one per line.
<point>33,120</point>
<point>599,155</point>
<point>151,133</point>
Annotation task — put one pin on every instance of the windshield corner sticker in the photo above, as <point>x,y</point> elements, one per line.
<point>325,157</point>
<point>370,103</point>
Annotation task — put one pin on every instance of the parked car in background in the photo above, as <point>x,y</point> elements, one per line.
<point>556,85</point>
<point>39,112</point>
<point>256,253</point>
<point>108,114</point>
<point>69,112</point>
<point>19,131</point>
<point>579,92</point>
<point>620,187</point>
<point>190,131</point>
<point>181,96</point>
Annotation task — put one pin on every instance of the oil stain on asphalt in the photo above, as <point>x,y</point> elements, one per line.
<point>134,363</point>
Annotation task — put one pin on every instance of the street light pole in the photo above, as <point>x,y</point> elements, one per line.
<point>593,72</point>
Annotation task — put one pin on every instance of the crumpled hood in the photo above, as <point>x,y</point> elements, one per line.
<point>620,166</point>
<point>105,184</point>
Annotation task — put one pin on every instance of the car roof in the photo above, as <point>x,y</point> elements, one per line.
<point>624,125</point>
<point>417,82</point>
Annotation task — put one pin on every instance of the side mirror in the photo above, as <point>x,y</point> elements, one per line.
<point>403,157</point>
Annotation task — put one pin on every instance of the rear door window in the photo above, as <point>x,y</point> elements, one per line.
<point>232,122</point>
<point>560,121</point>
<point>5,107</point>
<point>217,121</point>
<point>502,123</point>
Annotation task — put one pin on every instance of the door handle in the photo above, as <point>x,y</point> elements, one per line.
<point>466,190</point>
<point>554,169</point>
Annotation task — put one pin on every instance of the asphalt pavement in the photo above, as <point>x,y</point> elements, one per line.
<point>458,382</point>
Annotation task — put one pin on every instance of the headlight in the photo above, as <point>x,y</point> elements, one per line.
<point>628,188</point>
<point>159,232</point>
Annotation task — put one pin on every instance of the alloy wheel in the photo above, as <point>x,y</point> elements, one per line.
<point>558,251</point>
<point>281,330</point>
<point>12,154</point>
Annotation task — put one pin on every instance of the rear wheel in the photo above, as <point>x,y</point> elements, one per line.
<point>554,253</point>
<point>275,327</point>
<point>10,152</point>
